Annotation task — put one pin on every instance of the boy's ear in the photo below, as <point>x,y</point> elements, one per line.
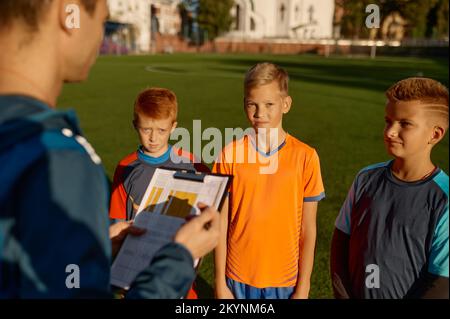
<point>174,126</point>
<point>438,135</point>
<point>287,103</point>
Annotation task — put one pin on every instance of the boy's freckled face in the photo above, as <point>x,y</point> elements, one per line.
<point>407,130</point>
<point>154,134</point>
<point>265,106</point>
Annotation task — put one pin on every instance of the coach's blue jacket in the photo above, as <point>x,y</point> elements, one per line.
<point>54,214</point>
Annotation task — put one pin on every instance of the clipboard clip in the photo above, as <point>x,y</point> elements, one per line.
<point>190,175</point>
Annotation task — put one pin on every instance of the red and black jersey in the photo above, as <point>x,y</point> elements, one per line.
<point>134,172</point>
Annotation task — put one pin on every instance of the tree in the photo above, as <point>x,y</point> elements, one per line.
<point>425,18</point>
<point>353,20</point>
<point>442,19</point>
<point>418,14</point>
<point>215,16</point>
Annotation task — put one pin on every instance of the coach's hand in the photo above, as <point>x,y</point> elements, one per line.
<point>201,234</point>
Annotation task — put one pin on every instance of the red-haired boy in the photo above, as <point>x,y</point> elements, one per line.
<point>155,118</point>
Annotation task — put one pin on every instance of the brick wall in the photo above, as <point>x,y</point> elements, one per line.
<point>172,44</point>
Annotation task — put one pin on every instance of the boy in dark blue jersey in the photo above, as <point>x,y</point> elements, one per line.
<point>391,236</point>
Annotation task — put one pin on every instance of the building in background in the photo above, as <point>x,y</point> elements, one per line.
<point>134,17</point>
<point>134,25</point>
<point>288,19</point>
<point>168,15</point>
<point>277,26</point>
<point>142,26</point>
<point>165,22</point>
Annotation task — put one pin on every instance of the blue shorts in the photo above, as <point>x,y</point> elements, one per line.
<point>243,291</point>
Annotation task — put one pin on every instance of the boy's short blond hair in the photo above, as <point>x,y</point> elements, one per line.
<point>266,73</point>
<point>431,93</point>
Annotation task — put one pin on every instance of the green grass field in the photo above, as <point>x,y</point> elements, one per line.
<point>338,109</point>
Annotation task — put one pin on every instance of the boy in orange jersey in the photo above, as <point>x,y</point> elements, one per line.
<point>155,118</point>
<point>268,227</point>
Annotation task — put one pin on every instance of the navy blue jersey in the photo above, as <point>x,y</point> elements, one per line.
<point>134,173</point>
<point>399,228</point>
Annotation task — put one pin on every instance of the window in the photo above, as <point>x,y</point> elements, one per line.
<point>252,24</point>
<point>282,12</point>
<point>238,17</point>
<point>311,14</point>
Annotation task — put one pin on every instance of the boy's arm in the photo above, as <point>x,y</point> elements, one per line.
<point>118,201</point>
<point>311,178</point>
<point>430,286</point>
<point>434,282</point>
<point>220,255</point>
<point>340,246</point>
<point>339,264</point>
<point>307,248</point>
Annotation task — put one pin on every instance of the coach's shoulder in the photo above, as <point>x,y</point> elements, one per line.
<point>66,141</point>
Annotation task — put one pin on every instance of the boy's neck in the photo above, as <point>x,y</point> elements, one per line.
<point>158,154</point>
<point>412,169</point>
<point>268,141</point>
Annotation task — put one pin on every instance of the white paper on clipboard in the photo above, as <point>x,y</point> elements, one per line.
<point>164,207</point>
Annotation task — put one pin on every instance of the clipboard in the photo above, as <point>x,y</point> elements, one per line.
<point>170,199</point>
<point>200,177</point>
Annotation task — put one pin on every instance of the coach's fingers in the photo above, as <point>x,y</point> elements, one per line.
<point>117,228</point>
<point>135,231</point>
<point>207,216</point>
<point>202,206</point>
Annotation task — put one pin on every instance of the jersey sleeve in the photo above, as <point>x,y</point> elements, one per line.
<point>169,275</point>
<point>312,180</point>
<point>118,203</point>
<point>343,219</point>
<point>438,262</point>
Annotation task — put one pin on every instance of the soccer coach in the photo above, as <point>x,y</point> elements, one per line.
<point>53,189</point>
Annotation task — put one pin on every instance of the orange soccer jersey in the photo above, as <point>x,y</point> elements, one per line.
<point>266,210</point>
